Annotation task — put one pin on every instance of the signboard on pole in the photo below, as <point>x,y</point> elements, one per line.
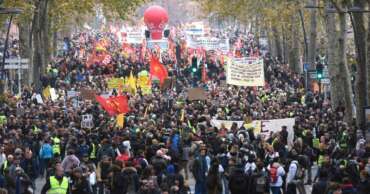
<point>245,72</point>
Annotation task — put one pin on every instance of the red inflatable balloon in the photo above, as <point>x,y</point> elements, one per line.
<point>155,18</point>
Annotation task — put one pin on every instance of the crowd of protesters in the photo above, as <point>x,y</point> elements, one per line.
<point>168,140</point>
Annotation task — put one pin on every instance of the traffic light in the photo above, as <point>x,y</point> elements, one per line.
<point>194,65</point>
<point>319,71</point>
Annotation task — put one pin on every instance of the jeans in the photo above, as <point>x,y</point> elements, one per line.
<point>275,190</point>
<point>200,187</point>
<point>44,165</point>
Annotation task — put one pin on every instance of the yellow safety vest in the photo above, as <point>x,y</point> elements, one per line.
<point>5,164</point>
<point>93,151</point>
<point>36,130</point>
<point>58,188</point>
<point>56,145</point>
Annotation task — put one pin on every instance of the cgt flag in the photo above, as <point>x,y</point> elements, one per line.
<point>114,105</point>
<point>158,70</point>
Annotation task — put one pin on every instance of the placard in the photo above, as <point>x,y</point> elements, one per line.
<point>87,94</point>
<point>197,94</point>
<point>245,72</point>
<point>135,37</point>
<point>87,121</point>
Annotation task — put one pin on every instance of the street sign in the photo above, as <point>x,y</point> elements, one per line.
<point>16,66</point>
<point>313,74</point>
<point>305,66</point>
<point>325,81</point>
<point>16,61</point>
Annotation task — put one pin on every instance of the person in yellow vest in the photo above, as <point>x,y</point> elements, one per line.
<point>57,184</point>
<point>7,163</point>
<point>56,145</point>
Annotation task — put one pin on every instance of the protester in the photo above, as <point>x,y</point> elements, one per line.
<point>151,138</point>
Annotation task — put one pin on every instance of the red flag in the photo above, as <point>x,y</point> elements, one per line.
<point>158,70</point>
<point>120,104</point>
<point>106,106</point>
<point>114,105</point>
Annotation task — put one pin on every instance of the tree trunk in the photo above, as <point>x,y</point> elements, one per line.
<point>25,47</point>
<point>39,32</point>
<point>340,87</point>
<point>342,63</point>
<point>294,53</point>
<point>313,35</point>
<point>277,43</point>
<point>361,76</point>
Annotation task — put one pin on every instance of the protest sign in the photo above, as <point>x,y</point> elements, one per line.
<point>39,99</point>
<point>245,72</point>
<point>116,83</point>
<point>87,94</point>
<point>87,121</point>
<point>197,94</point>
<point>72,93</point>
<point>134,37</point>
<point>53,94</point>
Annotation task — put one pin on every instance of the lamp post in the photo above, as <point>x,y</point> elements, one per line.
<point>12,12</point>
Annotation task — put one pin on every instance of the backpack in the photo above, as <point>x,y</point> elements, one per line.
<point>273,174</point>
<point>300,173</point>
<point>261,182</point>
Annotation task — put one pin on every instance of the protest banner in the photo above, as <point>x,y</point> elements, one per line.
<point>275,125</point>
<point>116,83</point>
<point>264,127</point>
<point>197,94</point>
<point>144,83</point>
<point>209,43</point>
<point>87,94</point>
<point>245,72</point>
<point>134,37</point>
<point>195,28</point>
<point>162,44</point>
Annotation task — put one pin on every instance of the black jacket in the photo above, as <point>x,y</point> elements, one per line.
<point>320,187</point>
<point>238,182</point>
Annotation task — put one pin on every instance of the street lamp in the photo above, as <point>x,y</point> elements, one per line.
<point>10,11</point>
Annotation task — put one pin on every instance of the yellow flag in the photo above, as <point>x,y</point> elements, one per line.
<point>131,82</point>
<point>120,120</point>
<point>46,92</point>
<point>143,82</point>
<point>182,115</point>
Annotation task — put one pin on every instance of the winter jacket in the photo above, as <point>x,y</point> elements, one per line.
<point>46,151</point>
<point>320,187</point>
<point>237,181</point>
